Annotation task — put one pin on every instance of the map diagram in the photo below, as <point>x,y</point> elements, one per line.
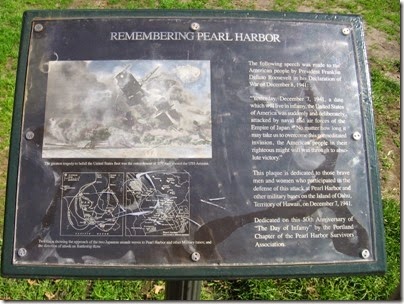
<point>135,204</point>
<point>91,204</point>
<point>163,201</point>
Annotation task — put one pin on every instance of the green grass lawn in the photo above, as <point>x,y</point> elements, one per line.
<point>382,20</point>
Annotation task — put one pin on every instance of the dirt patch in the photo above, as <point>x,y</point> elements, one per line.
<point>11,64</point>
<point>93,4</point>
<point>305,9</point>
<point>390,153</point>
<point>379,46</point>
<point>264,5</point>
<point>390,177</point>
<point>382,49</point>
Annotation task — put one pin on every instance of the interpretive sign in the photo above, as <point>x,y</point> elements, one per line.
<point>191,145</point>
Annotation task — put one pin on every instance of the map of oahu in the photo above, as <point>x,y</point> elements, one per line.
<point>125,204</point>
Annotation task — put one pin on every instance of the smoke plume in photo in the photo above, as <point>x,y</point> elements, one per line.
<point>127,104</point>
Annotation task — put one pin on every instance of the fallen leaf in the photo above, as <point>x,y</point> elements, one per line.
<point>32,282</point>
<point>49,295</point>
<point>158,288</point>
<point>311,290</point>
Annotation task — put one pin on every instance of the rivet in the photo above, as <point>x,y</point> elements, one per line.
<point>38,27</point>
<point>195,256</point>
<point>365,254</point>
<point>195,26</point>
<point>22,252</point>
<point>29,135</point>
<point>356,135</point>
<point>346,31</point>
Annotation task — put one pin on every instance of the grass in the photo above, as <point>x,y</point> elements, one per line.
<point>381,15</point>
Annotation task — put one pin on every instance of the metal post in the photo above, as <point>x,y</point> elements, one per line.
<point>183,290</point>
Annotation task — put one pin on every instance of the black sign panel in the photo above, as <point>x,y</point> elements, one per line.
<point>196,146</point>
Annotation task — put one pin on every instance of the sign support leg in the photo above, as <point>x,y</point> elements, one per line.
<point>183,290</point>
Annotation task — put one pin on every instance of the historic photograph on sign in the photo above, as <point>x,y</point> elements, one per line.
<point>128,109</point>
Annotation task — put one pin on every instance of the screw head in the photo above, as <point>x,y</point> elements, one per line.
<point>195,26</point>
<point>356,135</point>
<point>346,31</point>
<point>22,252</point>
<point>365,254</point>
<point>38,27</point>
<point>195,256</point>
<point>29,135</point>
